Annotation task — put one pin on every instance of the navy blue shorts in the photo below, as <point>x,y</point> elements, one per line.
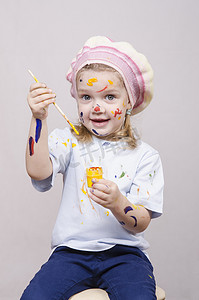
<point>124,272</point>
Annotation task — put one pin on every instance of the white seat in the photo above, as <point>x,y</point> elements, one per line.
<point>98,294</point>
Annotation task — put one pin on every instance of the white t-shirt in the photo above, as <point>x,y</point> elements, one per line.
<point>83,224</point>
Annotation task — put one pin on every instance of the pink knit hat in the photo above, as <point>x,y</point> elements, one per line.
<point>133,67</point>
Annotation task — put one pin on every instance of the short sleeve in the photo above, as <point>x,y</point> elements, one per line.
<point>147,187</point>
<point>59,143</point>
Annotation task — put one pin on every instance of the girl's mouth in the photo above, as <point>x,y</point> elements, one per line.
<point>99,122</point>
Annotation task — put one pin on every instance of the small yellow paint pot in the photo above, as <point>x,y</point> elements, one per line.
<point>93,172</point>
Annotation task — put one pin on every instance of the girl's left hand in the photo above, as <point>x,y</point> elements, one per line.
<point>106,193</point>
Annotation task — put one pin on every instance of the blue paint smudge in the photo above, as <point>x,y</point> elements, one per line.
<point>128,208</point>
<point>93,130</point>
<point>38,129</point>
<point>121,222</point>
<point>106,144</point>
<point>136,222</point>
<point>81,117</point>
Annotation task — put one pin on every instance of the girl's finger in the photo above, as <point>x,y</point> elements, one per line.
<point>101,195</point>
<point>40,91</point>
<point>105,188</point>
<point>102,181</point>
<point>37,85</point>
<point>45,103</point>
<point>97,199</point>
<point>44,97</point>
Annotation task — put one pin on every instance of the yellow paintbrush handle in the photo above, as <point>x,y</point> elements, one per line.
<point>58,108</point>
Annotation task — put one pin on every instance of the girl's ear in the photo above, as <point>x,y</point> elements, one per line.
<point>129,106</point>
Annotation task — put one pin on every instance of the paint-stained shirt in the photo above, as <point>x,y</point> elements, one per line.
<point>83,224</point>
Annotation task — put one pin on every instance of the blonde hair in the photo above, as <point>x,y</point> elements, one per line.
<point>126,133</point>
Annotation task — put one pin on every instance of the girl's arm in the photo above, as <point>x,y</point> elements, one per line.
<point>38,163</point>
<point>132,217</point>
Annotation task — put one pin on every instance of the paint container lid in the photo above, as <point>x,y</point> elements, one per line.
<point>93,171</point>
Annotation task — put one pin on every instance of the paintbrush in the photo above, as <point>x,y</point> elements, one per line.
<point>58,108</point>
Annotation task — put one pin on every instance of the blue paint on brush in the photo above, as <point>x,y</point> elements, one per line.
<point>136,222</point>
<point>128,208</point>
<point>38,129</point>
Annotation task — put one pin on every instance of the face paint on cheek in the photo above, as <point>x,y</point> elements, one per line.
<point>81,117</point>
<point>117,112</point>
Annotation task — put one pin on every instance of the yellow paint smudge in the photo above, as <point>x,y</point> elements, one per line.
<point>135,206</point>
<point>68,140</point>
<point>111,82</point>
<point>73,145</point>
<point>112,112</point>
<point>90,81</point>
<point>82,189</point>
<point>150,276</point>
<point>107,213</point>
<point>64,144</point>
<point>85,191</point>
<point>80,209</point>
<point>138,190</point>
<point>148,195</point>
<point>119,118</point>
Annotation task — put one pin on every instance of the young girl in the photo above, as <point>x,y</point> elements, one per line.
<point>98,239</point>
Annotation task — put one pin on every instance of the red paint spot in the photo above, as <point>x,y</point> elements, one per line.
<point>117,112</point>
<point>97,108</point>
<point>31,145</point>
<point>95,169</point>
<point>102,89</point>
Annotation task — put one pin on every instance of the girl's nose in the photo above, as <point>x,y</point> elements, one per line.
<point>97,108</point>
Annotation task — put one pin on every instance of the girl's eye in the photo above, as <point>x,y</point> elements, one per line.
<point>86,97</point>
<point>110,97</point>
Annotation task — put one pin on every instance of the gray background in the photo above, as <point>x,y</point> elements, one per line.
<point>44,36</point>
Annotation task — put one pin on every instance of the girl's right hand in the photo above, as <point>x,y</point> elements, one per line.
<point>39,98</point>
